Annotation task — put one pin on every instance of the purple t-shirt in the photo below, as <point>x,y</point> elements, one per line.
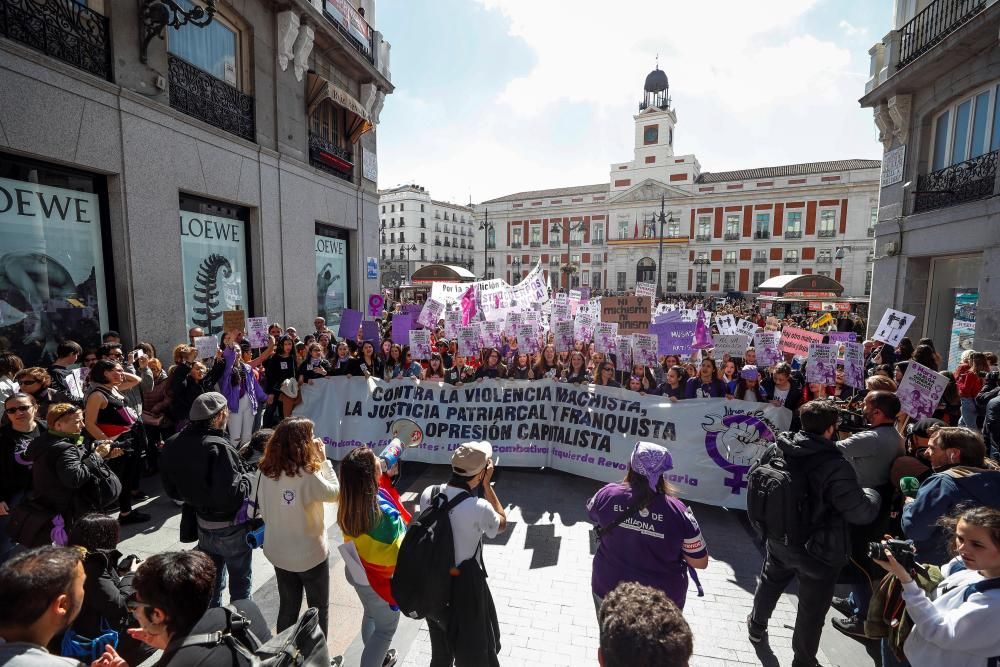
<point>648,548</point>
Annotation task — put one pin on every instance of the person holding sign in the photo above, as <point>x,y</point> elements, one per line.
<point>242,391</point>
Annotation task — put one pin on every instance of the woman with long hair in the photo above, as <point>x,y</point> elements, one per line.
<point>491,366</point>
<point>315,367</point>
<point>707,383</point>
<point>294,480</point>
<point>107,416</point>
<point>547,364</point>
<point>969,376</point>
<point>435,369</point>
<point>343,361</point>
<point>673,386</point>
<point>280,367</point>
<point>368,361</point>
<point>926,356</point>
<point>576,370</point>
<point>748,386</point>
<point>658,556</point>
<point>604,375</point>
<point>373,529</point>
<point>520,367</point>
<point>410,368</point>
<point>394,363</point>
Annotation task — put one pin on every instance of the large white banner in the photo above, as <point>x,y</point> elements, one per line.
<point>585,430</point>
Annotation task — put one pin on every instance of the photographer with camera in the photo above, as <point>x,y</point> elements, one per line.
<point>962,476</point>
<point>958,628</point>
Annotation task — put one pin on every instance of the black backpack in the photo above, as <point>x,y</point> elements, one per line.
<point>779,506</point>
<point>421,583</point>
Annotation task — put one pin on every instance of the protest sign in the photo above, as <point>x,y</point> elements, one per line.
<point>842,337</point>
<point>543,424</point>
<point>430,314</point>
<point>747,328</point>
<point>489,334</point>
<point>726,324</point>
<point>257,331</point>
<point>560,311</point>
<point>527,338</point>
<point>82,374</point>
<point>369,332</point>
<point>563,331</point>
<point>673,337</point>
<point>854,365</point>
<point>825,319</point>
<point>233,320</point>
<point>604,337</point>
<point>645,289</point>
<point>796,341</point>
<point>623,353</point>
<point>920,390</point>
<point>75,384</point>
<point>583,327</point>
<point>401,325</point>
<point>765,344</point>
<point>892,327</point>
<point>468,340</point>
<point>420,344</point>
<point>350,321</point>
<point>451,293</point>
<point>207,346</point>
<point>735,345</point>
<point>375,303</point>
<point>513,321</point>
<point>644,349</point>
<point>821,365</point>
<point>632,313</point>
<point>452,321</point>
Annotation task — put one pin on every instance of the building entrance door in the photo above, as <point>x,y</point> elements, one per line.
<point>951,306</point>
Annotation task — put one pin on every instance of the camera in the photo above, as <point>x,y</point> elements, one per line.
<point>255,536</point>
<point>902,550</point>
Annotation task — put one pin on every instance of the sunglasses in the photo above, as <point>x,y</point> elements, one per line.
<point>19,408</point>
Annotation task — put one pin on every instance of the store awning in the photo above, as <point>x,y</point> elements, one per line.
<point>319,89</point>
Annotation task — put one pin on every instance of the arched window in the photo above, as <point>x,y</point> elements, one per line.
<point>645,270</point>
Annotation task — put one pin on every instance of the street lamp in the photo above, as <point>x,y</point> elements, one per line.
<point>404,252</point>
<point>486,227</point>
<point>557,228</point>
<point>702,262</point>
<point>659,262</point>
<point>516,265</point>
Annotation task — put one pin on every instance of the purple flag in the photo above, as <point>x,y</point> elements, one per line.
<point>843,337</point>
<point>401,325</point>
<point>350,320</point>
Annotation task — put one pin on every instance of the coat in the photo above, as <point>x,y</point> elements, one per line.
<point>200,467</point>
<point>58,474</point>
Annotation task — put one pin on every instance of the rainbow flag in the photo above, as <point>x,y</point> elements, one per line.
<point>378,549</point>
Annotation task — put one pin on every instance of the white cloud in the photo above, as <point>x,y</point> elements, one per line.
<point>851,30</point>
<point>750,88</point>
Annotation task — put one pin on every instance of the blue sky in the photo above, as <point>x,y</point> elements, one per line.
<point>499,96</point>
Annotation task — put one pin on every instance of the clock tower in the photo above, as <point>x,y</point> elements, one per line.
<point>654,124</point>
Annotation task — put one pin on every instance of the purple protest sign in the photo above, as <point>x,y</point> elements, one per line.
<point>765,344</point>
<point>564,335</point>
<point>821,364</point>
<point>673,337</point>
<point>604,337</point>
<point>854,365</point>
<point>350,320</point>
<point>623,353</point>
<point>843,337</point>
<point>401,325</point>
<point>375,303</point>
<point>920,391</point>
<point>369,331</point>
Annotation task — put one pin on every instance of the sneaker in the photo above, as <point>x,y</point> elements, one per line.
<point>390,658</point>
<point>844,606</point>
<point>852,626</point>
<point>337,661</point>
<point>756,631</point>
<point>133,517</point>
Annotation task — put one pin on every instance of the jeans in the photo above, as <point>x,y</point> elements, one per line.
<point>816,584</point>
<point>230,553</point>
<point>316,583</point>
<point>378,625</point>
<point>970,413</point>
<point>889,658</point>
<point>7,545</point>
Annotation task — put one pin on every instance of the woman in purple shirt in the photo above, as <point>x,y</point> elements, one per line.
<point>707,383</point>
<point>658,538</point>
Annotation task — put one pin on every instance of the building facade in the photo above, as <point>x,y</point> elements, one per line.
<point>416,230</point>
<point>721,232</point>
<point>935,94</point>
<point>153,177</point>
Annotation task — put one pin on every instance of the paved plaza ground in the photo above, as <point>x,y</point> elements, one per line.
<point>539,573</point>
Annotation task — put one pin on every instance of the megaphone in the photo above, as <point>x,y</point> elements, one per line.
<point>405,433</point>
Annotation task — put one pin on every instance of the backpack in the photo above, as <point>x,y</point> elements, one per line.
<point>778,499</point>
<point>102,490</point>
<point>301,645</point>
<point>990,390</point>
<point>421,583</point>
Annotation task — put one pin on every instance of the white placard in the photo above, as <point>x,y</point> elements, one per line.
<point>645,289</point>
<point>893,327</point>
<point>735,345</point>
<point>207,346</point>
<point>257,331</point>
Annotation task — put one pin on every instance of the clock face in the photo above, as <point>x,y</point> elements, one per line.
<point>651,134</point>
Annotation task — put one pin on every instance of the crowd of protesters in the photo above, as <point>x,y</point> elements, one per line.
<point>79,438</point>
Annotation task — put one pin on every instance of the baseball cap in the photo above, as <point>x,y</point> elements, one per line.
<point>470,458</point>
<point>207,406</point>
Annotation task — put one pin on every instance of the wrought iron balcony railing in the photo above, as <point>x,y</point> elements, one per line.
<point>824,259</point>
<point>933,24</point>
<point>491,245</point>
<point>791,260</point>
<point>959,183</point>
<point>200,95</point>
<point>554,243</point>
<point>352,26</point>
<point>761,235</point>
<point>760,260</point>
<point>331,158</point>
<point>793,235</point>
<point>729,260</point>
<point>703,237</point>
<point>732,236</point>
<point>62,29</point>
<point>535,244</point>
<point>597,240</point>
<point>597,261</point>
<point>575,243</point>
<point>826,233</point>
<point>515,244</point>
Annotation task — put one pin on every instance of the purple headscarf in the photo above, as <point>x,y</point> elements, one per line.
<point>651,461</point>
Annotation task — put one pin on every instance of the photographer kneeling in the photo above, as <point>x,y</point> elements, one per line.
<point>959,627</point>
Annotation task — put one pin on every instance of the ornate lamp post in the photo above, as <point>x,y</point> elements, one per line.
<point>659,261</point>
<point>404,252</point>
<point>557,228</point>
<point>156,15</point>
<point>486,227</point>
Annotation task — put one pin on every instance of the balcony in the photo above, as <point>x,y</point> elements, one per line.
<point>760,260</point>
<point>575,243</point>
<point>350,24</point>
<point>332,159</point>
<point>553,262</point>
<point>703,237</point>
<point>535,244</point>
<point>826,233</point>
<point>423,225</point>
<point>437,243</point>
<point>554,243</point>
<point>758,235</point>
<point>200,95</point>
<point>824,259</point>
<point>729,260</point>
<point>66,31</point>
<point>515,244</point>
<point>732,236</point>
<point>791,260</point>
<point>793,235</point>
<point>959,183</point>
<point>597,241</point>
<point>490,245</point>
<point>597,261</point>
<point>933,24</point>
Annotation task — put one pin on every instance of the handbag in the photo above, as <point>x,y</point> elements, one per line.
<point>152,419</point>
<point>302,645</point>
<point>30,524</point>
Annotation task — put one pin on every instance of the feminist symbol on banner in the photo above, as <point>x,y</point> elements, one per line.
<point>375,303</point>
<point>735,442</point>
